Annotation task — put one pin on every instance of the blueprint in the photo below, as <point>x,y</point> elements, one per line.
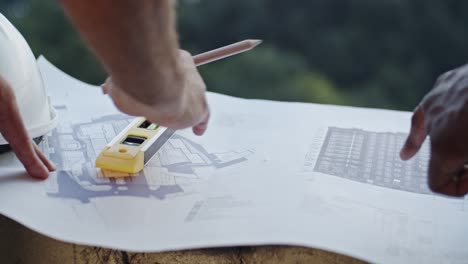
<point>373,158</point>
<point>74,148</point>
<point>266,172</point>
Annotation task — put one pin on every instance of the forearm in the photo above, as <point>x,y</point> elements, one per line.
<point>136,42</point>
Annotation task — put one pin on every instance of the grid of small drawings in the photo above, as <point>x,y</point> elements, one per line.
<point>373,158</point>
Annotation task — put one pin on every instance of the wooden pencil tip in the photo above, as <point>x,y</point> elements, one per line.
<point>255,42</point>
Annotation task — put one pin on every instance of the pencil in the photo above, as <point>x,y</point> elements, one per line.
<point>226,51</point>
<point>220,53</point>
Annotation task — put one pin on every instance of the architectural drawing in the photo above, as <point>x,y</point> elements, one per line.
<point>373,158</point>
<point>319,176</point>
<point>74,148</point>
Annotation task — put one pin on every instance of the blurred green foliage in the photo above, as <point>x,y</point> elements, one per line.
<point>384,53</point>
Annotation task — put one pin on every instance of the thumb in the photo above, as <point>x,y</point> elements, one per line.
<point>416,136</point>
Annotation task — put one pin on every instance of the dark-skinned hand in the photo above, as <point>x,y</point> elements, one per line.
<point>443,116</point>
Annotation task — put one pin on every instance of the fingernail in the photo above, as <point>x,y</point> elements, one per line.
<point>40,175</point>
<point>403,155</point>
<point>199,130</point>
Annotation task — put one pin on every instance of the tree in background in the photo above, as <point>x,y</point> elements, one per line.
<point>382,54</point>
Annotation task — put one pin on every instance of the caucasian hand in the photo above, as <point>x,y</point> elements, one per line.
<point>190,108</point>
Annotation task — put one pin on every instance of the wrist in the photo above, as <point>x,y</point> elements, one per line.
<point>159,87</point>
<point>163,97</point>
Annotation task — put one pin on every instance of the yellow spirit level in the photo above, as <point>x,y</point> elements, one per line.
<point>130,150</point>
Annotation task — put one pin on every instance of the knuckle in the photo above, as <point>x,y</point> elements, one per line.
<point>445,77</point>
<point>462,69</point>
<point>430,99</point>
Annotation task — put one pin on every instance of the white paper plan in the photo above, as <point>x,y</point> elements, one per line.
<point>265,172</point>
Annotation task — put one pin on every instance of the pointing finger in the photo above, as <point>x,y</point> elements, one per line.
<point>416,136</point>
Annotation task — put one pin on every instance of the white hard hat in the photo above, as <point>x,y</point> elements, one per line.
<point>18,67</point>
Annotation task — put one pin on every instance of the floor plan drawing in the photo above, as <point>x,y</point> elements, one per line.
<point>74,148</point>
